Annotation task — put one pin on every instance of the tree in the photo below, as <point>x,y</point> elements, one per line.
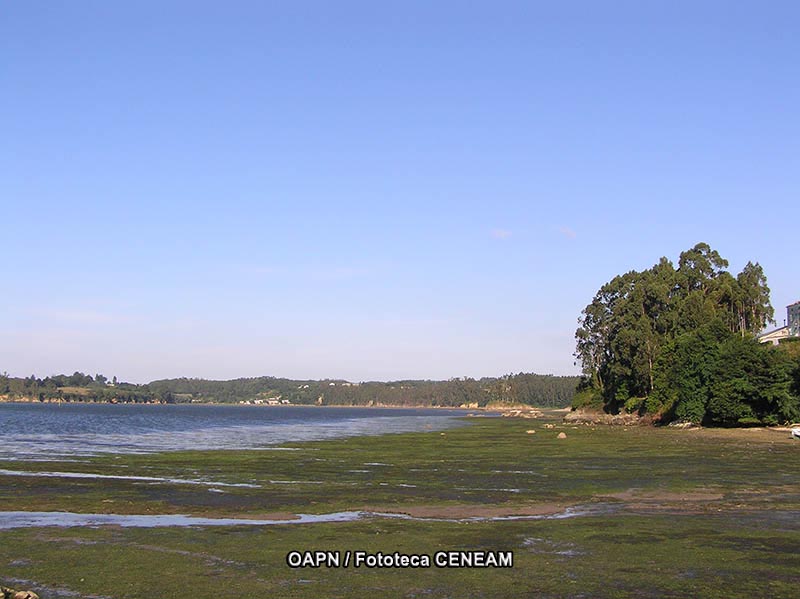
<point>650,340</point>
<point>684,371</point>
<point>754,310</point>
<point>698,267</point>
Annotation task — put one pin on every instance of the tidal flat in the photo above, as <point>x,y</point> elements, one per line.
<point>606,512</point>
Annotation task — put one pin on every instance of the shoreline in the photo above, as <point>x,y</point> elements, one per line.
<point>509,408</point>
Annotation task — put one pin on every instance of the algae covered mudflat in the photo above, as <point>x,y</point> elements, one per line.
<point>608,511</point>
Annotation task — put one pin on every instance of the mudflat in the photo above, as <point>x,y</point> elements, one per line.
<point>605,512</point>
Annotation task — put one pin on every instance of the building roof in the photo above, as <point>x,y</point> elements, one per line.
<point>774,334</point>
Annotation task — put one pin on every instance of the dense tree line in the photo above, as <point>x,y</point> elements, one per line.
<point>679,343</point>
<point>75,387</point>
<point>522,388</point>
<point>531,389</point>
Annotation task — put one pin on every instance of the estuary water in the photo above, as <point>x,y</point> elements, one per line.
<point>64,431</point>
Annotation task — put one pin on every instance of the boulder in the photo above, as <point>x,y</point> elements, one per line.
<point>7,593</point>
<point>562,435</point>
<point>531,432</point>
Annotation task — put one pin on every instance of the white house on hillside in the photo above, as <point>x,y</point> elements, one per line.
<point>791,329</point>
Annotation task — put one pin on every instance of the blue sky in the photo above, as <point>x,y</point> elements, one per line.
<point>375,190</point>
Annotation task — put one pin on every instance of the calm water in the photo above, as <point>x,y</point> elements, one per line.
<point>58,431</point>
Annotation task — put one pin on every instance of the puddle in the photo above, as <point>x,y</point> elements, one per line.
<point>531,472</point>
<point>593,509</point>
<point>70,519</point>
<point>491,490</point>
<point>10,520</point>
<point>151,479</point>
<point>543,546</point>
<point>296,482</point>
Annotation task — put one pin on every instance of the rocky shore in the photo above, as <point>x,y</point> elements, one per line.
<point>587,417</point>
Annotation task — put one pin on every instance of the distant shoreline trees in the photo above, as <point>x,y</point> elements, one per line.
<point>679,344</point>
<point>522,388</point>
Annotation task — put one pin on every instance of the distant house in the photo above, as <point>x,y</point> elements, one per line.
<point>774,336</point>
<point>790,329</point>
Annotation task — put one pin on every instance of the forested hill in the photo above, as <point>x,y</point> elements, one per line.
<point>523,388</point>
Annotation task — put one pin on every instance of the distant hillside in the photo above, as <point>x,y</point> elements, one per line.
<point>530,389</point>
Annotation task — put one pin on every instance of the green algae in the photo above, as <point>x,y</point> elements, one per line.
<point>708,514</point>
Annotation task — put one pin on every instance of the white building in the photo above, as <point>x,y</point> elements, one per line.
<point>790,329</point>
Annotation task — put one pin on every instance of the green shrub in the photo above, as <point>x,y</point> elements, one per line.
<point>587,399</point>
<point>771,420</point>
<point>635,404</point>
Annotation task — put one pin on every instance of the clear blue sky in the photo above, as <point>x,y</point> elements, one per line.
<point>375,190</point>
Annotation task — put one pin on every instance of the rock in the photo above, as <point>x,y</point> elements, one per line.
<point>586,417</point>
<point>531,432</point>
<point>6,593</point>
<point>521,413</point>
<point>549,425</point>
<point>562,435</point>
<point>680,424</point>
